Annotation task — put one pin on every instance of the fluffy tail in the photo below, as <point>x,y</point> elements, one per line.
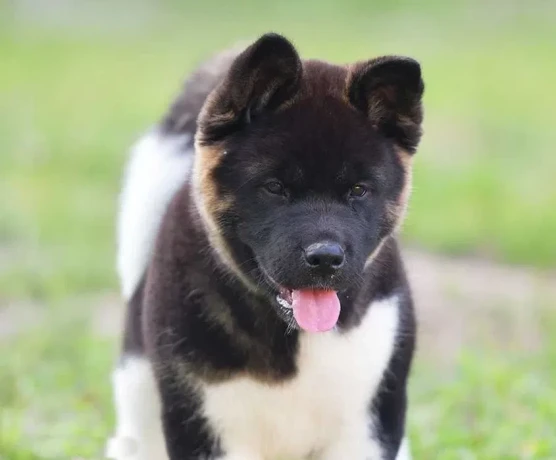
<point>160,163</point>
<point>158,166</point>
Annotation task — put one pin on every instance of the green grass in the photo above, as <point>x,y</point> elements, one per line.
<point>490,403</point>
<point>73,98</point>
<point>496,406</point>
<point>54,394</point>
<point>72,102</point>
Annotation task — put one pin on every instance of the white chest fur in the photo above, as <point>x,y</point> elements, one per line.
<point>323,410</point>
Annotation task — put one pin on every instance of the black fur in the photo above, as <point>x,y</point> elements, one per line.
<point>261,78</point>
<point>389,90</point>
<point>318,130</point>
<point>133,341</point>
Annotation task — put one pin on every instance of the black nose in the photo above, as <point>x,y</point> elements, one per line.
<point>327,256</point>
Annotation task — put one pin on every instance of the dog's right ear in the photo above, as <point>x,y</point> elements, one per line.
<point>262,78</point>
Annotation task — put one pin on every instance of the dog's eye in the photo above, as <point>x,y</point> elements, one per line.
<point>275,187</point>
<point>358,190</point>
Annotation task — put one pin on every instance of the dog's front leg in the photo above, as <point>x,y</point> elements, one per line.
<point>187,433</point>
<point>188,437</point>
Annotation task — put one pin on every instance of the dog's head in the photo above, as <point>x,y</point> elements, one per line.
<point>303,169</point>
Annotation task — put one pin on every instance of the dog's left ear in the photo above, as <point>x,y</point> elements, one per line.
<point>389,91</point>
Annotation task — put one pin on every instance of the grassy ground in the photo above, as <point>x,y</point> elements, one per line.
<point>75,92</point>
<point>481,386</point>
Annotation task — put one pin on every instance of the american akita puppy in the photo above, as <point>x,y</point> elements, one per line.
<point>269,315</point>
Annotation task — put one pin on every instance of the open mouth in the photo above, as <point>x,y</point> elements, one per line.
<point>314,310</point>
<point>285,298</point>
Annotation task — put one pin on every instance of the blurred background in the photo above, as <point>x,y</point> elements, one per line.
<point>81,80</point>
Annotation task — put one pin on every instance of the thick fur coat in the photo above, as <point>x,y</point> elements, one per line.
<point>269,316</point>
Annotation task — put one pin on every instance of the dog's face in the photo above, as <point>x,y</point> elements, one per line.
<point>302,171</point>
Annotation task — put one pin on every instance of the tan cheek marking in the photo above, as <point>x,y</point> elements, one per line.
<point>375,253</point>
<point>407,161</point>
<point>206,160</point>
<point>210,205</point>
<point>395,212</point>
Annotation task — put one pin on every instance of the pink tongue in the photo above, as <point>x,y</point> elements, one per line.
<point>316,311</point>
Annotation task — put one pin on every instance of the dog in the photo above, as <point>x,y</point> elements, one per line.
<point>268,311</point>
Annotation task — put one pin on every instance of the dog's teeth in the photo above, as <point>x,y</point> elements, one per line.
<point>283,302</point>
